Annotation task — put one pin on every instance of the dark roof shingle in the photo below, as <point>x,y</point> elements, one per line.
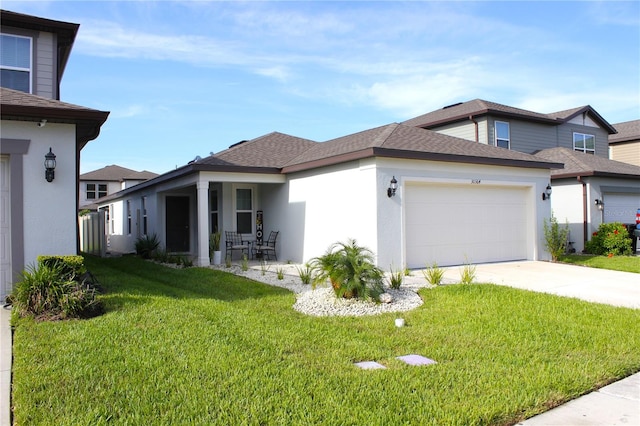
<point>627,131</point>
<point>581,164</point>
<point>116,173</point>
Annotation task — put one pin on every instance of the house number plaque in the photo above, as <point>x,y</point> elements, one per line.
<point>475,181</point>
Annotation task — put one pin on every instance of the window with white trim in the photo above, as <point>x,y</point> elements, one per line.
<point>128,217</point>
<point>244,210</point>
<point>15,62</point>
<point>91,191</point>
<point>144,215</point>
<point>502,134</point>
<point>584,142</point>
<point>214,211</point>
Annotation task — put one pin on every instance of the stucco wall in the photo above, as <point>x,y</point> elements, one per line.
<point>49,209</point>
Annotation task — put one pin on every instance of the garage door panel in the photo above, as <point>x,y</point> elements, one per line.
<point>453,224</point>
<point>620,207</point>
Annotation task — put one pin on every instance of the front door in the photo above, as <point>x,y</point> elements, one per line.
<point>178,224</point>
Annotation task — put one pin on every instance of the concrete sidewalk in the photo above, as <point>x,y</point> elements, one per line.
<point>5,367</point>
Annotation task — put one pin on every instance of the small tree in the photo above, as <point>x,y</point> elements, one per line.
<point>555,237</point>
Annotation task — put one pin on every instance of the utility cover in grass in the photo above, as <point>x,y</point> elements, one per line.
<point>416,360</point>
<point>369,365</point>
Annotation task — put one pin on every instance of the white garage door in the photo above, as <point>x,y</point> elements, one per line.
<point>456,224</point>
<point>5,229</point>
<point>621,207</point>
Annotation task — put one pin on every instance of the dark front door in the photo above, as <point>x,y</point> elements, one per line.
<point>177,224</point>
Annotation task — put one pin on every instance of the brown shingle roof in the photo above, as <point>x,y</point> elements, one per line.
<point>116,173</point>
<point>401,141</point>
<point>17,105</point>
<point>271,150</point>
<point>627,131</point>
<point>478,107</point>
<point>581,164</point>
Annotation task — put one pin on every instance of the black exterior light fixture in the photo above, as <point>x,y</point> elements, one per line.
<point>599,203</point>
<point>546,195</point>
<point>393,186</point>
<point>49,165</point>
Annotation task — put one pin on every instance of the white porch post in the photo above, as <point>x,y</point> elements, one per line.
<point>203,223</point>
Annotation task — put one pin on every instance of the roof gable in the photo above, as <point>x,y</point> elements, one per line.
<point>116,173</point>
<point>479,107</point>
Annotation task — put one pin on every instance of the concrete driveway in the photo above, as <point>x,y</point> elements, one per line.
<point>590,284</point>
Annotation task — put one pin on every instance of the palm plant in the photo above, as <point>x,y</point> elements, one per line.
<point>350,269</point>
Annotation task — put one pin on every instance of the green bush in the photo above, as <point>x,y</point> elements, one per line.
<point>49,291</point>
<point>611,239</point>
<point>350,269</point>
<point>555,237</point>
<point>147,245</point>
<point>70,266</point>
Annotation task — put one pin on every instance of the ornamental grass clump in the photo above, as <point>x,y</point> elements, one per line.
<point>50,291</point>
<point>611,239</point>
<point>351,270</point>
<point>555,237</point>
<point>433,274</point>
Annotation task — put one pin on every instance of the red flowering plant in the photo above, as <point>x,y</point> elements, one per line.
<point>611,239</point>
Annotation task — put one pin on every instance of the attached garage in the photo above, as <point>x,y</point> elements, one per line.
<point>620,207</point>
<point>453,224</point>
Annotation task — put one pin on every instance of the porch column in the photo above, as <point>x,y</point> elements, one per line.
<point>203,223</point>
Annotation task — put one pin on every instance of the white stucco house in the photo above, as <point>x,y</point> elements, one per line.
<point>580,138</point>
<point>455,201</point>
<point>38,216</point>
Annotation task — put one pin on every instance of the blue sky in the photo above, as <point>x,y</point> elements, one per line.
<point>186,78</point>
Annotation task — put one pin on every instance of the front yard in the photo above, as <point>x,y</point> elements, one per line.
<point>197,346</point>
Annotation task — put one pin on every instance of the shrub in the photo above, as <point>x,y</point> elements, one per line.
<point>433,274</point>
<point>555,237</point>
<point>147,245</point>
<point>305,274</point>
<point>396,277</point>
<point>70,266</point>
<point>351,271</point>
<point>49,291</point>
<point>610,239</point>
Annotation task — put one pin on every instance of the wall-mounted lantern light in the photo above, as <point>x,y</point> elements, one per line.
<point>393,186</point>
<point>546,195</point>
<point>599,204</point>
<point>49,165</point>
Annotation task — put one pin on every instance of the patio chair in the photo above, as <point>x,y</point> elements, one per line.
<point>234,242</point>
<point>268,247</point>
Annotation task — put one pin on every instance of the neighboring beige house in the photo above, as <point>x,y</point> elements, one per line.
<point>108,180</point>
<point>38,213</point>
<point>625,145</point>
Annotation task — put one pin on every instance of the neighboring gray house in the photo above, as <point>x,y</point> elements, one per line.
<point>625,145</point>
<point>455,201</point>
<point>578,138</point>
<point>38,213</point>
<point>107,180</point>
<point>581,129</point>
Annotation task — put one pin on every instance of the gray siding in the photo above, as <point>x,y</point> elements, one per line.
<point>44,65</point>
<point>525,136</point>
<point>565,137</point>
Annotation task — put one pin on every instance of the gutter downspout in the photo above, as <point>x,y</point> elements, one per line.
<point>476,125</point>
<point>584,212</point>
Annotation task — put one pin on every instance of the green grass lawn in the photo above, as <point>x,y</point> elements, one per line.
<point>616,263</point>
<point>197,346</point>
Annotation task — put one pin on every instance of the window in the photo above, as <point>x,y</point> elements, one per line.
<point>91,191</point>
<point>502,134</point>
<point>214,211</point>
<point>144,215</point>
<point>128,217</point>
<point>584,143</point>
<point>244,211</point>
<point>15,62</point>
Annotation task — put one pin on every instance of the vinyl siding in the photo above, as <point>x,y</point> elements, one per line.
<point>525,136</point>
<point>465,130</point>
<point>626,152</point>
<point>44,66</point>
